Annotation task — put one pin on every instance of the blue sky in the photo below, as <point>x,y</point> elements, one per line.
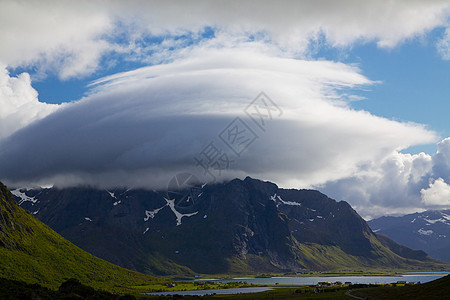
<point>364,88</point>
<point>414,84</point>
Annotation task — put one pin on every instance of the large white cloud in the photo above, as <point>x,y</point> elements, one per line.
<point>19,104</point>
<point>398,184</point>
<point>437,194</point>
<point>141,127</point>
<point>71,37</point>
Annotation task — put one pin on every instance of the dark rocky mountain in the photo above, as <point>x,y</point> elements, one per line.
<point>33,253</point>
<point>428,231</point>
<point>240,226</point>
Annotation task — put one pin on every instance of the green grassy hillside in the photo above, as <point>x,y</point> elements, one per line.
<point>437,289</point>
<point>32,252</point>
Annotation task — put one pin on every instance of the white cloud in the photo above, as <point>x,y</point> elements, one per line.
<point>441,161</point>
<point>398,183</point>
<point>142,127</point>
<point>19,104</point>
<point>438,193</point>
<point>443,45</point>
<point>70,38</point>
<point>60,36</point>
<point>294,23</point>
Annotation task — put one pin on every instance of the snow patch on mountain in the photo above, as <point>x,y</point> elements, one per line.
<point>445,219</point>
<point>171,204</point>
<point>23,197</point>
<point>113,195</point>
<point>421,231</point>
<point>152,213</point>
<point>276,198</point>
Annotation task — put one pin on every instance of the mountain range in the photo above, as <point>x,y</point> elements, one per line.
<point>428,231</point>
<point>240,226</point>
<point>31,252</point>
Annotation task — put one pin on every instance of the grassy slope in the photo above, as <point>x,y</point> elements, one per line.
<point>437,289</point>
<point>32,252</point>
<point>332,258</point>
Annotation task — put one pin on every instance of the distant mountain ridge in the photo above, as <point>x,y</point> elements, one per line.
<point>428,231</point>
<point>32,252</point>
<point>241,226</point>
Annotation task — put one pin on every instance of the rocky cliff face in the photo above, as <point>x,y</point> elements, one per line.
<point>239,226</point>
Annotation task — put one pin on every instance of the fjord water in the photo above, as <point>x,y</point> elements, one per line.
<point>422,278</point>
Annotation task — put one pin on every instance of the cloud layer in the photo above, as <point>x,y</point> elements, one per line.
<point>71,38</point>
<point>152,121</point>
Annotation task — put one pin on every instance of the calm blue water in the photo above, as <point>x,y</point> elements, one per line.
<point>353,279</point>
<point>426,277</point>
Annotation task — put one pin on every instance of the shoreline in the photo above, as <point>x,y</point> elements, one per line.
<point>318,274</point>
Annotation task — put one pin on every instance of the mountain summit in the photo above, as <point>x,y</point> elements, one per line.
<point>428,231</point>
<point>240,226</point>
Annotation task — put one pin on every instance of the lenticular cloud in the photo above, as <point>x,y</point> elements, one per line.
<point>142,127</point>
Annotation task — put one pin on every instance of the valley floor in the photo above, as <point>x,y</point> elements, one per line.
<point>292,292</point>
<point>438,289</point>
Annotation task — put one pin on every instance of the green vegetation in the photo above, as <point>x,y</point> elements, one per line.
<point>437,289</point>
<point>327,260</point>
<point>159,265</point>
<point>381,259</point>
<point>70,289</point>
<point>191,286</point>
<point>285,292</point>
<point>73,289</point>
<point>300,292</point>
<point>32,252</point>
